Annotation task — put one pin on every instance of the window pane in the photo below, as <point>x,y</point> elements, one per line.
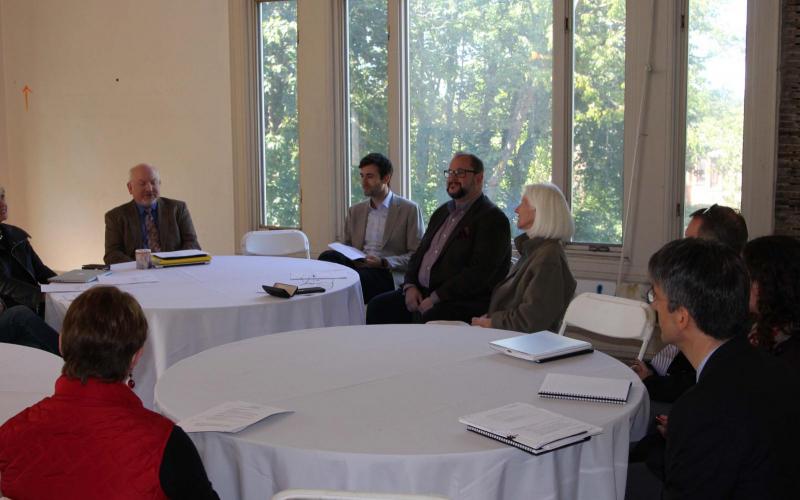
<point>597,121</point>
<point>368,77</point>
<point>280,164</point>
<point>480,80</point>
<point>715,104</point>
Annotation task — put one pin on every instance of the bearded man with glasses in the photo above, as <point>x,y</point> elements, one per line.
<point>464,253</point>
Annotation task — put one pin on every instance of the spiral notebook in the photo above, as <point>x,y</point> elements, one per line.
<point>603,390</point>
<point>529,428</point>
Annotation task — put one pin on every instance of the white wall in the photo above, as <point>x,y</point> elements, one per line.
<point>114,83</point>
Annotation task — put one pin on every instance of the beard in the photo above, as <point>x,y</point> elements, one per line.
<point>458,194</point>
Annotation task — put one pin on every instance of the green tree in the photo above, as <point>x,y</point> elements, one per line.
<point>480,81</point>
<point>368,55</point>
<point>281,174</point>
<point>598,115</point>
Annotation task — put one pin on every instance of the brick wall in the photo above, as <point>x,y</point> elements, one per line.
<point>787,189</point>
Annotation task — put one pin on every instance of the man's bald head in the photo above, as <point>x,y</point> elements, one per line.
<point>144,182</point>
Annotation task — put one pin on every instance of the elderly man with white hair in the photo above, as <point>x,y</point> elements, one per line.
<point>147,221</point>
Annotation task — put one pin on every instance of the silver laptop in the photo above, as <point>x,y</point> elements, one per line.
<point>79,276</point>
<point>541,346</point>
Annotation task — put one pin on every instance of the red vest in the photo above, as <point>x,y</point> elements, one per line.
<point>84,442</point>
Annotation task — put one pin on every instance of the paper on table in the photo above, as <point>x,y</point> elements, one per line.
<point>231,416</point>
<point>128,278</point>
<point>179,253</point>
<point>351,253</point>
<point>318,275</point>
<point>66,287</point>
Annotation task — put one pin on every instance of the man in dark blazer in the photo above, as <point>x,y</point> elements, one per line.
<point>735,434</point>
<point>386,227</point>
<point>147,221</point>
<point>464,253</point>
<point>674,375</point>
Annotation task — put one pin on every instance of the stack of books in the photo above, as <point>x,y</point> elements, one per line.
<point>180,258</point>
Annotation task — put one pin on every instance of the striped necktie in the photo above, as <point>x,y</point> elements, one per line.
<point>152,231</point>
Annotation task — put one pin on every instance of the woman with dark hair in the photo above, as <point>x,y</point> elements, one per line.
<point>774,266</point>
<point>93,438</point>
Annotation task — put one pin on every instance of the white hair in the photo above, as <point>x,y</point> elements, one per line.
<point>140,165</point>
<point>553,218</point>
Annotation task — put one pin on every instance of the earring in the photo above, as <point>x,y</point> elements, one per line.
<point>131,382</point>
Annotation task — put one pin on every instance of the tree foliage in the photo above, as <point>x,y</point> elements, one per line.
<point>281,170</point>
<point>480,79</point>
<point>715,105</point>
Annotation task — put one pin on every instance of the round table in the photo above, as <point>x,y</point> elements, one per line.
<point>376,409</point>
<point>26,376</point>
<point>192,308</point>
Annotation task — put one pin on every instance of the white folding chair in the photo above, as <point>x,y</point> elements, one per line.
<point>611,316</point>
<point>277,242</point>
<point>304,494</point>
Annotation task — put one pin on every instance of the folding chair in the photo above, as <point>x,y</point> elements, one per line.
<point>611,316</point>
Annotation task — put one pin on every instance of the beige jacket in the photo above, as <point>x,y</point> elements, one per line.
<point>404,228</point>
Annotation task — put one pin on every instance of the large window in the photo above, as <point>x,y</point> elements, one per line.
<point>714,103</point>
<point>280,172</point>
<point>597,119</point>
<point>598,96</point>
<point>367,51</point>
<point>480,80</point>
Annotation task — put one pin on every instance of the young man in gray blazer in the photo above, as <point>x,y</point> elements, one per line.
<point>147,221</point>
<point>386,227</point>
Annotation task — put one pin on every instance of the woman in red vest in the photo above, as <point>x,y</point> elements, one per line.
<point>93,438</point>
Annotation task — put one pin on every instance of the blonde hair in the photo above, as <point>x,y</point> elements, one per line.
<point>553,217</point>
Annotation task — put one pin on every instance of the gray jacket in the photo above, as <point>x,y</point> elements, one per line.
<point>537,290</point>
<point>404,228</point>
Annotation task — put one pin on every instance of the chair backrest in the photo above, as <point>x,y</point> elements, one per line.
<point>278,242</point>
<point>611,316</point>
<point>304,494</point>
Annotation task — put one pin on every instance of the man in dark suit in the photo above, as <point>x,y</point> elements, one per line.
<point>669,374</point>
<point>147,221</point>
<point>735,434</point>
<point>464,253</point>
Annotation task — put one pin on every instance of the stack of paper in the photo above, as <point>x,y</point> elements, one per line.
<point>529,428</point>
<point>180,258</point>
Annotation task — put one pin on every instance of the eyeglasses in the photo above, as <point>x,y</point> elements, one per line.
<point>459,172</point>
<point>707,210</point>
<point>650,296</point>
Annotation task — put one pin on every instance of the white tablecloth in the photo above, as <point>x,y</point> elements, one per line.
<point>376,408</point>
<point>26,376</point>
<point>193,308</point>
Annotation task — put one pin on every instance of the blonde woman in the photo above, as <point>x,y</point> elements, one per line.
<point>539,287</point>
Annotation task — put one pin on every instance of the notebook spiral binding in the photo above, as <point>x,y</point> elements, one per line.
<point>581,397</point>
<point>517,444</point>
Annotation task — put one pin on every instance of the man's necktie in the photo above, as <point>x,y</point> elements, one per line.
<point>152,231</point>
